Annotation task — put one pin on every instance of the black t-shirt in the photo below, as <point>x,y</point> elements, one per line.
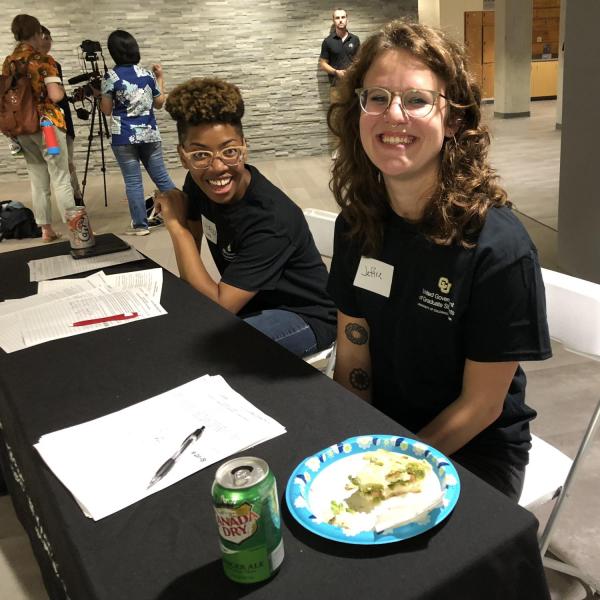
<point>447,304</point>
<point>262,243</point>
<point>339,54</point>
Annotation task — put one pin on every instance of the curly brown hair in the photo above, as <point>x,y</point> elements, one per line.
<point>467,185</point>
<point>205,100</point>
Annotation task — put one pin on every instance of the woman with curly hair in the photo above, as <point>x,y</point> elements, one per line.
<point>271,272</point>
<point>437,283</point>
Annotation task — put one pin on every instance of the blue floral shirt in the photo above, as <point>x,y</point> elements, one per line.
<point>133,90</point>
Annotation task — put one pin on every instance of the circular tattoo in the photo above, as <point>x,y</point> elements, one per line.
<point>356,333</point>
<point>359,379</point>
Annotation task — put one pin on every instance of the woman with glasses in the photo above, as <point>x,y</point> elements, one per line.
<point>437,283</point>
<point>271,272</point>
<point>130,94</point>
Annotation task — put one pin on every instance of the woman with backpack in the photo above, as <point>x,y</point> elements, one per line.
<point>44,169</point>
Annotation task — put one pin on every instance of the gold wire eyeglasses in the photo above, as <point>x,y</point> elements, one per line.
<point>414,102</point>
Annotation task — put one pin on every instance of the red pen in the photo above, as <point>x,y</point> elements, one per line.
<point>121,317</point>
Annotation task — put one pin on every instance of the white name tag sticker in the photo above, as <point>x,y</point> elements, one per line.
<point>374,276</point>
<point>209,229</point>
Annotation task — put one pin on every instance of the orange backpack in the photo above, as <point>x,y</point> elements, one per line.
<point>18,112</point>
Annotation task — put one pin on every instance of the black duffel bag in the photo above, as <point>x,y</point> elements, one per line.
<point>17,221</point>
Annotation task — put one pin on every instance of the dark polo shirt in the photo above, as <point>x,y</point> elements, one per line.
<point>339,54</point>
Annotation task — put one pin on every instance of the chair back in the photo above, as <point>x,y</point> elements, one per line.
<point>322,225</point>
<point>573,309</point>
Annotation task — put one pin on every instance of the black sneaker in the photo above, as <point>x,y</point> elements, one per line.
<point>155,221</point>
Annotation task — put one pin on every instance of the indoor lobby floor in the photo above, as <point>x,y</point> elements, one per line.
<point>563,390</point>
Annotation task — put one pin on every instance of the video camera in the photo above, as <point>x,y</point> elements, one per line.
<point>91,52</point>
<point>91,48</point>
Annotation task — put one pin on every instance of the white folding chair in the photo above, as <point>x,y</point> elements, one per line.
<point>322,224</point>
<point>573,308</point>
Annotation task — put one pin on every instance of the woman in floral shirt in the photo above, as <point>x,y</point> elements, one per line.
<point>129,94</point>
<point>44,169</point>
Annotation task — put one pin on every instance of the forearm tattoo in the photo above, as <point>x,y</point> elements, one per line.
<point>359,379</point>
<point>357,334</point>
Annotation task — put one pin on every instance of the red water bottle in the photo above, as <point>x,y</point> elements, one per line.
<point>50,138</point>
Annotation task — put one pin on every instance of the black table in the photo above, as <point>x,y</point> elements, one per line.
<point>165,547</point>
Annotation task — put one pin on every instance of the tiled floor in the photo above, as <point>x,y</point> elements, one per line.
<point>563,390</point>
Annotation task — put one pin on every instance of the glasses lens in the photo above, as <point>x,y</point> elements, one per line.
<point>374,101</point>
<point>231,156</point>
<point>200,159</point>
<point>418,103</point>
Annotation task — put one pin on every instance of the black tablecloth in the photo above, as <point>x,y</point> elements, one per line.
<point>166,546</point>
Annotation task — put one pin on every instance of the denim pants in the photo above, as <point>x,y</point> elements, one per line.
<point>129,157</point>
<point>287,329</point>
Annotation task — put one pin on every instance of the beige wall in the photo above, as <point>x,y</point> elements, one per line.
<point>448,14</point>
<point>270,48</point>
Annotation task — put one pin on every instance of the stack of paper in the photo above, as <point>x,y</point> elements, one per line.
<point>72,306</point>
<point>108,463</point>
<point>59,266</point>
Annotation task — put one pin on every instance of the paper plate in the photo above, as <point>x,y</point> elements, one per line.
<point>314,474</point>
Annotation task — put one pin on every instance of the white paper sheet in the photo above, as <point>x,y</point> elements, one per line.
<point>149,280</point>
<point>55,319</point>
<point>67,285</point>
<point>70,288</point>
<point>59,266</point>
<point>108,463</point>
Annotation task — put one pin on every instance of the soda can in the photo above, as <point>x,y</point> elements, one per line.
<point>79,228</point>
<point>246,507</point>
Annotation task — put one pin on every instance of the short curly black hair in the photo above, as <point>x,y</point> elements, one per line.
<point>205,100</point>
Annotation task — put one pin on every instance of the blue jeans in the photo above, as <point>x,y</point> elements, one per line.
<point>287,329</point>
<point>129,157</point>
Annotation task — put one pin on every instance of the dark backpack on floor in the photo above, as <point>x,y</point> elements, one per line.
<point>17,222</point>
<point>18,112</point>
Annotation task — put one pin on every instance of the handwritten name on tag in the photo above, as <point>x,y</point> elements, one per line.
<point>209,229</point>
<point>375,276</point>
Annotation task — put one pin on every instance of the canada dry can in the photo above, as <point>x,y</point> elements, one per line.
<point>247,510</point>
<point>79,228</point>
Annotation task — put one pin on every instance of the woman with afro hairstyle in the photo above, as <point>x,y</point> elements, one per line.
<point>438,286</point>
<point>271,272</point>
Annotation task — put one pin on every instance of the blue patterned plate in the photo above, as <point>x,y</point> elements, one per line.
<point>314,479</point>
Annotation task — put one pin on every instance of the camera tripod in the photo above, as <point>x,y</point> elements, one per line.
<point>102,132</point>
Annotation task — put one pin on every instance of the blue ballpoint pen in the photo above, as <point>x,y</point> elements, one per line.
<point>168,464</point>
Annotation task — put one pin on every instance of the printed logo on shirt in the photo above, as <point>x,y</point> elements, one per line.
<point>444,285</point>
<point>228,253</point>
<point>209,229</point>
<point>439,303</point>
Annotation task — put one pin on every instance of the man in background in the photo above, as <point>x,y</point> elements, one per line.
<point>337,51</point>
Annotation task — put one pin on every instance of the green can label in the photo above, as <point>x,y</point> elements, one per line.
<point>248,566</point>
<point>248,519</point>
<point>238,524</point>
